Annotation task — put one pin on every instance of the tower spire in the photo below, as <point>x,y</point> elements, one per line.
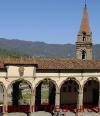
<point>85,27</point>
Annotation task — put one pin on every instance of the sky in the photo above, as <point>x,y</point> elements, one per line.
<point>50,21</point>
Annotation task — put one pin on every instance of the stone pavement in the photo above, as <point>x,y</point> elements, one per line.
<point>16,114</point>
<point>42,113</point>
<point>84,114</point>
<point>70,114</point>
<point>91,114</point>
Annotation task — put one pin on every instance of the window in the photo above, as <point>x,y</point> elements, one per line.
<point>84,36</point>
<point>83,55</point>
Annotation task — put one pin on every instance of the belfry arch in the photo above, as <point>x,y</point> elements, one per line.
<point>45,95</point>
<point>91,93</point>
<point>83,52</point>
<point>19,96</point>
<point>69,92</point>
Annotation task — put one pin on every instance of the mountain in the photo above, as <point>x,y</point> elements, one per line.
<point>17,48</point>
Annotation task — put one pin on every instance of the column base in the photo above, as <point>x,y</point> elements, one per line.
<point>5,114</point>
<point>79,114</point>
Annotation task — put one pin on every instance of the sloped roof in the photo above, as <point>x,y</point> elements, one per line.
<point>63,63</point>
<point>53,63</point>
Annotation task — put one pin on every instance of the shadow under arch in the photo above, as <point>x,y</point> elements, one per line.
<point>45,95</point>
<point>91,93</point>
<point>19,96</point>
<point>69,90</point>
<point>73,79</point>
<point>3,96</point>
<point>90,78</point>
<point>22,79</point>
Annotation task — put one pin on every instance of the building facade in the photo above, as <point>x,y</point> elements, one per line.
<point>71,83</point>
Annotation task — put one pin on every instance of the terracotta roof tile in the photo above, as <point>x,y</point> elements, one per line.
<point>53,63</point>
<point>63,63</point>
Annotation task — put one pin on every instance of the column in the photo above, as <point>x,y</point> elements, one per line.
<point>32,108</point>
<point>80,102</point>
<point>5,103</point>
<point>34,101</point>
<point>57,100</point>
<point>57,103</point>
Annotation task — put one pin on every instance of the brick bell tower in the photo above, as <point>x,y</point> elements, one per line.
<point>84,39</point>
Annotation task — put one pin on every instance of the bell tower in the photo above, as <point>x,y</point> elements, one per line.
<point>84,39</point>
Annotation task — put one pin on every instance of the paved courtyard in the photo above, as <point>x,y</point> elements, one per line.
<point>91,114</point>
<point>42,113</point>
<point>84,114</point>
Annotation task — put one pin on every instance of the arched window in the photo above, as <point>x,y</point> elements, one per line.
<point>84,36</point>
<point>83,54</point>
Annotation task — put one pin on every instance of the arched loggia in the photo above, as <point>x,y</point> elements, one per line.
<point>69,95</point>
<point>45,93</point>
<point>19,96</point>
<point>91,94</point>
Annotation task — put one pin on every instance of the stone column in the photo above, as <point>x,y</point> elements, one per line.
<point>80,102</point>
<point>32,108</point>
<point>34,102</point>
<point>5,103</point>
<point>57,99</point>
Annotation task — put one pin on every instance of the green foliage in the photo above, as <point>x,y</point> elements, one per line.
<point>25,99</point>
<point>18,48</point>
<point>44,94</point>
<point>4,53</point>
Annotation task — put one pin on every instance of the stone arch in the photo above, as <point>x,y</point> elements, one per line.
<point>19,94</point>
<point>20,80</point>
<point>84,36</point>
<point>83,54</point>
<point>49,102</point>
<point>91,92</point>
<point>71,78</point>
<point>69,91</point>
<point>90,78</point>
<point>57,88</point>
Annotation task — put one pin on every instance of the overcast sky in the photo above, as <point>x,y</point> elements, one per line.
<point>50,21</point>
